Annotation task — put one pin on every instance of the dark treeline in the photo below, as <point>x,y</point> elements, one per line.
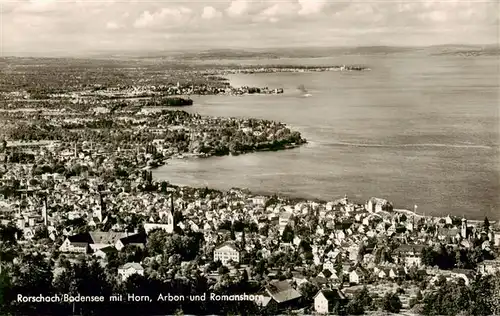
<point>447,257</point>
<point>34,277</point>
<point>481,297</point>
<point>173,101</point>
<point>35,274</point>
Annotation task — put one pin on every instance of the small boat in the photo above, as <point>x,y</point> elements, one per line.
<point>304,91</point>
<point>302,88</point>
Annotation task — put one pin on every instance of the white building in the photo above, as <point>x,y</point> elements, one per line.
<point>169,228</point>
<point>76,244</point>
<point>129,269</point>
<point>284,220</point>
<point>489,267</point>
<point>376,205</point>
<point>496,240</point>
<point>413,261</point>
<point>226,252</point>
<point>325,300</point>
<point>329,265</point>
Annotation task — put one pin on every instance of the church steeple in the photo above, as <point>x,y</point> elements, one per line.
<point>464,228</point>
<point>171,222</point>
<point>44,211</point>
<point>102,204</point>
<point>172,203</point>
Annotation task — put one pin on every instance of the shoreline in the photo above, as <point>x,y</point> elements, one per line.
<point>299,198</point>
<point>188,156</point>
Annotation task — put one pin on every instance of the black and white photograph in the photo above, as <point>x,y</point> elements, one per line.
<point>249,157</point>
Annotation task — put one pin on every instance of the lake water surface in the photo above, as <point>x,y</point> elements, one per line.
<point>415,130</point>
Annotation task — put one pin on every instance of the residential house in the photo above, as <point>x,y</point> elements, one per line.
<point>104,252</point>
<point>259,200</point>
<point>52,232</point>
<point>282,294</point>
<point>448,233</point>
<point>105,239</point>
<point>129,269</point>
<point>329,265</point>
<point>137,240</point>
<point>448,220</point>
<point>489,266</point>
<point>410,254</point>
<point>382,273</point>
<point>395,273</point>
<point>357,276</point>
<point>414,260</point>
<point>325,300</point>
<point>77,243</point>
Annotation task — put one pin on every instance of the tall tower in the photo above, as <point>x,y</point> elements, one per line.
<point>102,204</point>
<point>172,203</point>
<point>44,211</point>
<point>464,228</point>
<point>171,216</point>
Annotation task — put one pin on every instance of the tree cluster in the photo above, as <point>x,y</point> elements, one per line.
<point>171,101</point>
<point>453,298</point>
<point>34,276</point>
<point>449,257</point>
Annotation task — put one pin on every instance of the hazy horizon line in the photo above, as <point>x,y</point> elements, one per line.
<point>166,51</point>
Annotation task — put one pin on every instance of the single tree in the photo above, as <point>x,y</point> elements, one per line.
<point>391,303</point>
<point>232,234</point>
<point>486,223</point>
<point>288,234</point>
<point>308,291</point>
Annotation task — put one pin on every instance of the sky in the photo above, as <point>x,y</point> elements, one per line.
<point>76,26</point>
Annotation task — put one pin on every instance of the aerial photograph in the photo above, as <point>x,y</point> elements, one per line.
<point>249,157</point>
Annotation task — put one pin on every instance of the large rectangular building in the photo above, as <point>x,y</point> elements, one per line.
<point>227,252</point>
